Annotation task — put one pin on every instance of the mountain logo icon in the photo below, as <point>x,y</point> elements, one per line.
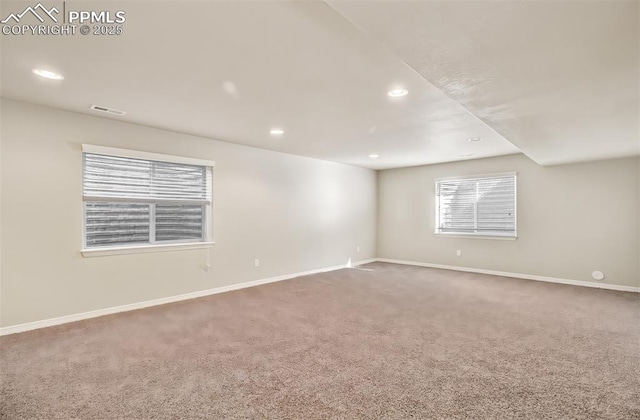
<point>34,11</point>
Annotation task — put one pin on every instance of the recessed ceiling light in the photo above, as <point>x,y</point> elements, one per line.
<point>276,132</point>
<point>475,139</point>
<point>373,156</point>
<point>396,93</point>
<point>48,74</point>
<point>465,156</point>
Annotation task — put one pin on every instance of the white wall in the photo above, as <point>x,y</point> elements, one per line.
<point>293,213</point>
<point>572,219</point>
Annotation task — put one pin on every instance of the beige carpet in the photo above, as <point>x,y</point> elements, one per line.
<point>396,342</point>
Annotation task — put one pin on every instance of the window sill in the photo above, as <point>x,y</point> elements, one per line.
<point>462,235</point>
<point>142,249</point>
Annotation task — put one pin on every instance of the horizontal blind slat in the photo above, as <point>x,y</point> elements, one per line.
<point>478,206</point>
<point>110,176</point>
<point>123,196</point>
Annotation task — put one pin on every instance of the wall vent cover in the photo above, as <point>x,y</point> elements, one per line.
<point>106,110</point>
<point>367,267</point>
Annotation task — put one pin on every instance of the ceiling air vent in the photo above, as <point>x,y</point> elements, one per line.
<point>107,110</point>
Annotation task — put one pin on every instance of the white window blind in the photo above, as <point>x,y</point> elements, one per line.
<point>130,201</point>
<point>481,206</point>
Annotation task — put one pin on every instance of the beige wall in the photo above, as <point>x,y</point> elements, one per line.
<point>293,213</point>
<point>572,219</point>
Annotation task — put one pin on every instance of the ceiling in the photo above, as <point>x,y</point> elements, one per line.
<point>557,81</point>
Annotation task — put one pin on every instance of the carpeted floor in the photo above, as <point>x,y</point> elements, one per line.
<point>395,342</point>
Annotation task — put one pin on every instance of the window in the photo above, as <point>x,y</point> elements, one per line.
<point>138,200</point>
<point>477,206</point>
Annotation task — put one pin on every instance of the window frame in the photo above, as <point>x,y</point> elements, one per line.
<point>476,235</point>
<point>207,240</point>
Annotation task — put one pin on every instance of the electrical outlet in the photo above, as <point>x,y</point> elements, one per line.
<point>256,262</point>
<point>358,249</point>
<point>458,253</point>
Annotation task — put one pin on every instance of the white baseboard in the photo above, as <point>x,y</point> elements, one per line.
<point>201,293</point>
<point>161,301</point>
<point>516,275</point>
